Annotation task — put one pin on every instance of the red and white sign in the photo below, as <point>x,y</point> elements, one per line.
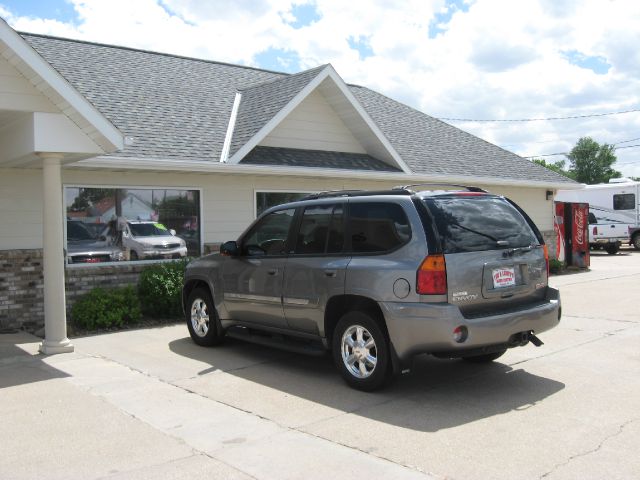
<point>504,277</point>
<point>579,225</point>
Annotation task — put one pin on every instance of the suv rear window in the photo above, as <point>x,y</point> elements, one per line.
<point>477,223</point>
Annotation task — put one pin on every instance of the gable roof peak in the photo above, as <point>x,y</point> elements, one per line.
<point>264,106</point>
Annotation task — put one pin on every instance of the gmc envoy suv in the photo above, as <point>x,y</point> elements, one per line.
<point>378,277</point>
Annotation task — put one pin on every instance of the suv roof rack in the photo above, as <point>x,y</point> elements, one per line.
<point>354,193</point>
<point>408,188</point>
<point>398,190</point>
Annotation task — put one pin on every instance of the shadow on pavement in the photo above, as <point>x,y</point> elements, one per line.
<point>19,366</point>
<point>437,394</point>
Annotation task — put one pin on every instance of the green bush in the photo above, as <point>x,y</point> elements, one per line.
<point>555,266</point>
<point>102,308</point>
<point>160,289</point>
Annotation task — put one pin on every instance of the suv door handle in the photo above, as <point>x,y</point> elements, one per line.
<point>331,273</point>
<point>273,271</point>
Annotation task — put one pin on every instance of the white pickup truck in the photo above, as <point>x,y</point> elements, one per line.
<point>607,229</point>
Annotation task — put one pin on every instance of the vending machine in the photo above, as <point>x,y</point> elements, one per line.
<point>572,226</point>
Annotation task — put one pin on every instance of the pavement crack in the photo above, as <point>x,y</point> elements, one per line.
<point>570,347</point>
<point>593,280</point>
<point>596,449</point>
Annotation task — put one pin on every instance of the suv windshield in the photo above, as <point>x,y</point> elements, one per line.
<point>477,223</point>
<point>148,229</point>
<point>77,231</point>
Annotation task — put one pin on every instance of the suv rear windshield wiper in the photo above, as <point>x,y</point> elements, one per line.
<point>486,235</point>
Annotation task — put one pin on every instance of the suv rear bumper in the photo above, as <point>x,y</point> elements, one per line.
<point>416,328</point>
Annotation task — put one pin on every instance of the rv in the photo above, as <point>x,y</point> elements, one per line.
<point>620,194</point>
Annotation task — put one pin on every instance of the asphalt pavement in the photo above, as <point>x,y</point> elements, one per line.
<point>149,404</point>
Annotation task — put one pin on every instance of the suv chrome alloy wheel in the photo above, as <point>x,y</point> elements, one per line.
<point>359,352</point>
<point>199,317</point>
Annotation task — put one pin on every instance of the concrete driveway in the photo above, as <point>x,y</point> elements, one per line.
<point>149,404</point>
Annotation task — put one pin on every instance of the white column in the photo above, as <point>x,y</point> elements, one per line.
<point>55,318</point>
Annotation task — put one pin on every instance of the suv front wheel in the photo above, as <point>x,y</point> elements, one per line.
<point>361,351</point>
<point>202,320</point>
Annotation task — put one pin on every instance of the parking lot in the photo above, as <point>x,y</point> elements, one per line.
<point>151,404</point>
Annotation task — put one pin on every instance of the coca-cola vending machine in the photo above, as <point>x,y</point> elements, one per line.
<point>572,226</point>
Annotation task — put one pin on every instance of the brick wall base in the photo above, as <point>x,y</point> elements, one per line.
<point>22,292</point>
<point>21,289</point>
<point>550,238</point>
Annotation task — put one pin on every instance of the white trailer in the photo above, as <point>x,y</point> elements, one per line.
<point>620,194</point>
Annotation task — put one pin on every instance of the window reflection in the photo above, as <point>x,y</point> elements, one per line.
<point>118,224</point>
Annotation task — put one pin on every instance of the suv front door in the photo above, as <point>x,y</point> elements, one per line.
<point>315,270</point>
<point>253,280</point>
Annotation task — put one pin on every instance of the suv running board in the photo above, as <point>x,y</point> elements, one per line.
<point>290,344</point>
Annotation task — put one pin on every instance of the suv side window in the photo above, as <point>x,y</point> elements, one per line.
<point>321,230</point>
<point>269,236</point>
<point>377,227</point>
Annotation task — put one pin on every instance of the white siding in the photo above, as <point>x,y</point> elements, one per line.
<point>20,209</point>
<point>17,93</point>
<point>227,200</point>
<point>313,125</point>
<point>531,200</point>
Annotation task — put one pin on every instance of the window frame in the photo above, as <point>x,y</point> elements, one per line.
<point>348,244</point>
<point>288,242</point>
<point>256,191</point>
<point>627,194</point>
<point>298,223</point>
<point>129,187</point>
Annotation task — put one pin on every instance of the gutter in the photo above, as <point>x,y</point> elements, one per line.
<point>213,167</point>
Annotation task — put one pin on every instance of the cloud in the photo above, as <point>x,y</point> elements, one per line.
<point>453,58</point>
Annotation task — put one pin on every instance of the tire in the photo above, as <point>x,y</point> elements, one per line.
<point>368,368</point>
<point>612,249</point>
<point>636,241</point>
<point>133,255</point>
<point>489,357</point>
<point>202,319</point>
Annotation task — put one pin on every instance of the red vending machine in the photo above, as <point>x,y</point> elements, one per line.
<point>572,226</point>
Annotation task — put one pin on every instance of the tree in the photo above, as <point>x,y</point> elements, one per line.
<point>557,167</point>
<point>591,162</point>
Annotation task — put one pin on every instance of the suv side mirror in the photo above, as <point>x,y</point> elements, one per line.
<point>229,249</point>
<point>172,232</point>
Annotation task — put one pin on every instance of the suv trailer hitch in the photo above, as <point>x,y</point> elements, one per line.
<point>523,338</point>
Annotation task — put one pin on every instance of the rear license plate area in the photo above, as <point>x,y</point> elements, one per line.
<point>503,277</point>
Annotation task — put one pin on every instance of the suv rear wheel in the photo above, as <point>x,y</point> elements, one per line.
<point>361,351</point>
<point>202,319</point>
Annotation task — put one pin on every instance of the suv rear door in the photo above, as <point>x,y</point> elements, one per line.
<point>315,269</point>
<point>494,256</point>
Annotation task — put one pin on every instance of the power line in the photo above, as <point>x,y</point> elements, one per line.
<point>627,141</point>
<point>567,153</point>
<point>537,119</point>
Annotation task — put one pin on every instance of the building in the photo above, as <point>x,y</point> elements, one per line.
<point>206,145</point>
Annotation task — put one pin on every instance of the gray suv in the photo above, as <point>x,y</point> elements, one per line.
<point>378,277</point>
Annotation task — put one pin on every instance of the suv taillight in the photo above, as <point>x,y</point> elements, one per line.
<point>595,230</point>
<point>545,249</point>
<point>432,276</point>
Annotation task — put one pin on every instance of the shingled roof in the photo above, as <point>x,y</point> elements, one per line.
<point>295,157</point>
<point>179,108</point>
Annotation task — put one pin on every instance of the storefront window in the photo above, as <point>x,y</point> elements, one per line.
<point>118,224</point>
<point>266,200</point>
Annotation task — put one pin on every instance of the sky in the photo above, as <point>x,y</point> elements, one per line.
<point>452,59</point>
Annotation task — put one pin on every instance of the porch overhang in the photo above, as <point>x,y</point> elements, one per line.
<point>45,123</point>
